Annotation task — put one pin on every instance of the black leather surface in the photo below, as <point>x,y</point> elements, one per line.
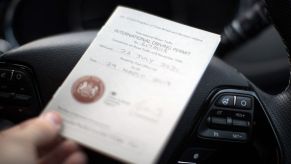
<point>278,111</point>
<point>278,107</point>
<point>53,58</point>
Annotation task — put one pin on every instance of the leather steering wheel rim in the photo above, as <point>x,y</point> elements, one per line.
<point>278,107</point>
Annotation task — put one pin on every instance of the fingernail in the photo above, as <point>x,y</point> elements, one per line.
<point>53,118</point>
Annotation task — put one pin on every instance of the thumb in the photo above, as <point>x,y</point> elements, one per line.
<point>39,131</point>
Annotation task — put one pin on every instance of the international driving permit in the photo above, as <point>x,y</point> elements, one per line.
<point>129,89</point>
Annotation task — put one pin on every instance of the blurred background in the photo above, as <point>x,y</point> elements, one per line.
<point>250,43</point>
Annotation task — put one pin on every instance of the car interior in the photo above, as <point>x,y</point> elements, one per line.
<point>241,110</point>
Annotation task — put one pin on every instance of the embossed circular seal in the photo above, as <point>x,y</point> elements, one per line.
<point>88,89</point>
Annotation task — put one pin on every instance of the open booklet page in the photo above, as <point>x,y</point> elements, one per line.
<point>128,91</point>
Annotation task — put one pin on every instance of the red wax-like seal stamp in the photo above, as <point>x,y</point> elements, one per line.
<point>88,89</point>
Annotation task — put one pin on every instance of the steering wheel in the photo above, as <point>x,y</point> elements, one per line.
<point>225,108</point>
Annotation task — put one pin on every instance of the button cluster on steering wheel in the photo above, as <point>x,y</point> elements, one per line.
<point>18,98</point>
<point>230,116</point>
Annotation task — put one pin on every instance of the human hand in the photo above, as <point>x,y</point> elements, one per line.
<point>37,141</point>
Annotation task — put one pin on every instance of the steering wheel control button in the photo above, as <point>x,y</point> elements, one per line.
<point>241,115</point>
<point>227,135</point>
<point>22,99</point>
<point>222,123</point>
<point>241,123</point>
<point>225,101</point>
<point>23,89</point>
<point>5,95</point>
<point>213,133</point>
<point>219,113</point>
<point>218,122</point>
<point>19,76</point>
<point>243,102</point>
<point>18,95</point>
<point>241,136</point>
<point>5,75</point>
<point>4,87</point>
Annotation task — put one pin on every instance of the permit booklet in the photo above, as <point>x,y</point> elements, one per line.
<point>127,92</point>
